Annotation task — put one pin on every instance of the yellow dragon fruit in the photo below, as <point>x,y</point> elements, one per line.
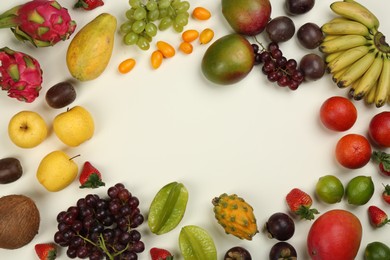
<point>235,215</point>
<point>42,22</point>
<point>20,75</point>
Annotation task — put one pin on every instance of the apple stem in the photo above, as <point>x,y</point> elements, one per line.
<point>71,158</point>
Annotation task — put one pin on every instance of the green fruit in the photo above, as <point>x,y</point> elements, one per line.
<point>196,244</point>
<point>167,208</point>
<point>329,189</point>
<point>376,251</point>
<point>228,60</point>
<point>359,190</point>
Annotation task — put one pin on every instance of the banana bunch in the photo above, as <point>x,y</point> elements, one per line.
<point>356,53</point>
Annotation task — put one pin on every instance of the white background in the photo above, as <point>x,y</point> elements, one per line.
<point>253,138</point>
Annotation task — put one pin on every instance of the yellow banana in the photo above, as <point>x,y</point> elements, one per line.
<point>369,98</point>
<point>330,37</point>
<point>357,12</point>
<point>369,78</point>
<point>337,75</point>
<point>343,42</point>
<point>383,89</point>
<point>332,56</point>
<point>357,69</point>
<point>344,26</point>
<point>347,58</point>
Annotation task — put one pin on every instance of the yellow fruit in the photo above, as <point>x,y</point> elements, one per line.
<point>235,216</point>
<point>74,127</point>
<point>56,171</point>
<point>90,50</point>
<point>27,129</point>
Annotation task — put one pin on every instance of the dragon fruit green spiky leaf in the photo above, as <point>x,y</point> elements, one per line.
<point>41,22</point>
<point>20,75</point>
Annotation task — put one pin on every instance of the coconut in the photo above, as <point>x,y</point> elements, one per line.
<point>20,221</point>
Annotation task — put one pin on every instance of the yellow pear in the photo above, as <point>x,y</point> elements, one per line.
<point>74,126</point>
<point>27,129</point>
<point>56,171</point>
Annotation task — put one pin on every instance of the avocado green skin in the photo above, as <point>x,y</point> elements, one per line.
<point>228,60</point>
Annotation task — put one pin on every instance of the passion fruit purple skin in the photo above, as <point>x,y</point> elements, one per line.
<point>280,226</point>
<point>282,251</point>
<point>247,17</point>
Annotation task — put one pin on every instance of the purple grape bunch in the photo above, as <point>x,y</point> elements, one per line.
<point>285,72</point>
<point>102,228</point>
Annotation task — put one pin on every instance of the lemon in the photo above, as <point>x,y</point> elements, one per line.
<point>359,190</point>
<point>376,251</point>
<point>329,189</point>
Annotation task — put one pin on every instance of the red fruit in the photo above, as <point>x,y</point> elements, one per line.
<point>88,4</point>
<point>338,113</point>
<point>46,251</point>
<point>90,177</point>
<point>300,204</point>
<point>335,235</point>
<point>379,129</point>
<point>247,17</point>
<point>377,216</point>
<point>353,151</point>
<point>383,161</point>
<point>386,194</point>
<point>160,254</point>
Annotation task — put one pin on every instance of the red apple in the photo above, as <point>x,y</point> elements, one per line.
<point>247,17</point>
<point>379,129</point>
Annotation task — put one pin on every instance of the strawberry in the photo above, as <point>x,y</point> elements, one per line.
<point>160,254</point>
<point>300,204</point>
<point>46,251</point>
<point>88,4</point>
<point>383,161</point>
<point>90,177</point>
<point>377,216</point>
<point>386,194</point>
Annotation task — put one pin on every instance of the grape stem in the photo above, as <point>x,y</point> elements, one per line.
<point>102,245</point>
<point>260,43</point>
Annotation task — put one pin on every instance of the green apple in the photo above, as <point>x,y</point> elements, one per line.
<point>27,129</point>
<point>56,171</point>
<point>74,126</point>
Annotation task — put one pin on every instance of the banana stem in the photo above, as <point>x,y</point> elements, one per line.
<point>380,43</point>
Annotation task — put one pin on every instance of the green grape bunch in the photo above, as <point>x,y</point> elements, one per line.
<point>145,18</point>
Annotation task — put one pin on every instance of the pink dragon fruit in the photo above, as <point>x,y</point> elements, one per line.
<point>20,75</point>
<point>42,22</point>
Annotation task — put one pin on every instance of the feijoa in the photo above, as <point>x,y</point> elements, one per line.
<point>10,170</point>
<point>61,95</point>
<point>167,208</point>
<point>196,244</point>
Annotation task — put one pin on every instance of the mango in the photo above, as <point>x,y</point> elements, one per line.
<point>228,60</point>
<point>89,52</point>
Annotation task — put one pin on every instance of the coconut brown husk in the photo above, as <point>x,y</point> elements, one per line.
<point>19,221</point>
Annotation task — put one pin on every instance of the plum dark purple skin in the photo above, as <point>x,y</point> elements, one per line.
<point>280,226</point>
<point>10,170</point>
<point>60,95</point>
<point>297,7</point>
<point>280,29</point>
<point>310,35</point>
<point>237,253</point>
<point>282,250</point>
<point>312,66</point>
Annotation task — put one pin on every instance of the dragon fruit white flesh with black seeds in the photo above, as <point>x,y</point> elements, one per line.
<point>20,75</point>
<point>41,22</point>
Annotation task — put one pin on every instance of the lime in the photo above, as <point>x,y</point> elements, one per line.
<point>359,190</point>
<point>329,189</point>
<point>196,244</point>
<point>376,251</point>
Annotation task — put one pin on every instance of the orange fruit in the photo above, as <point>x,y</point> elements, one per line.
<point>353,151</point>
